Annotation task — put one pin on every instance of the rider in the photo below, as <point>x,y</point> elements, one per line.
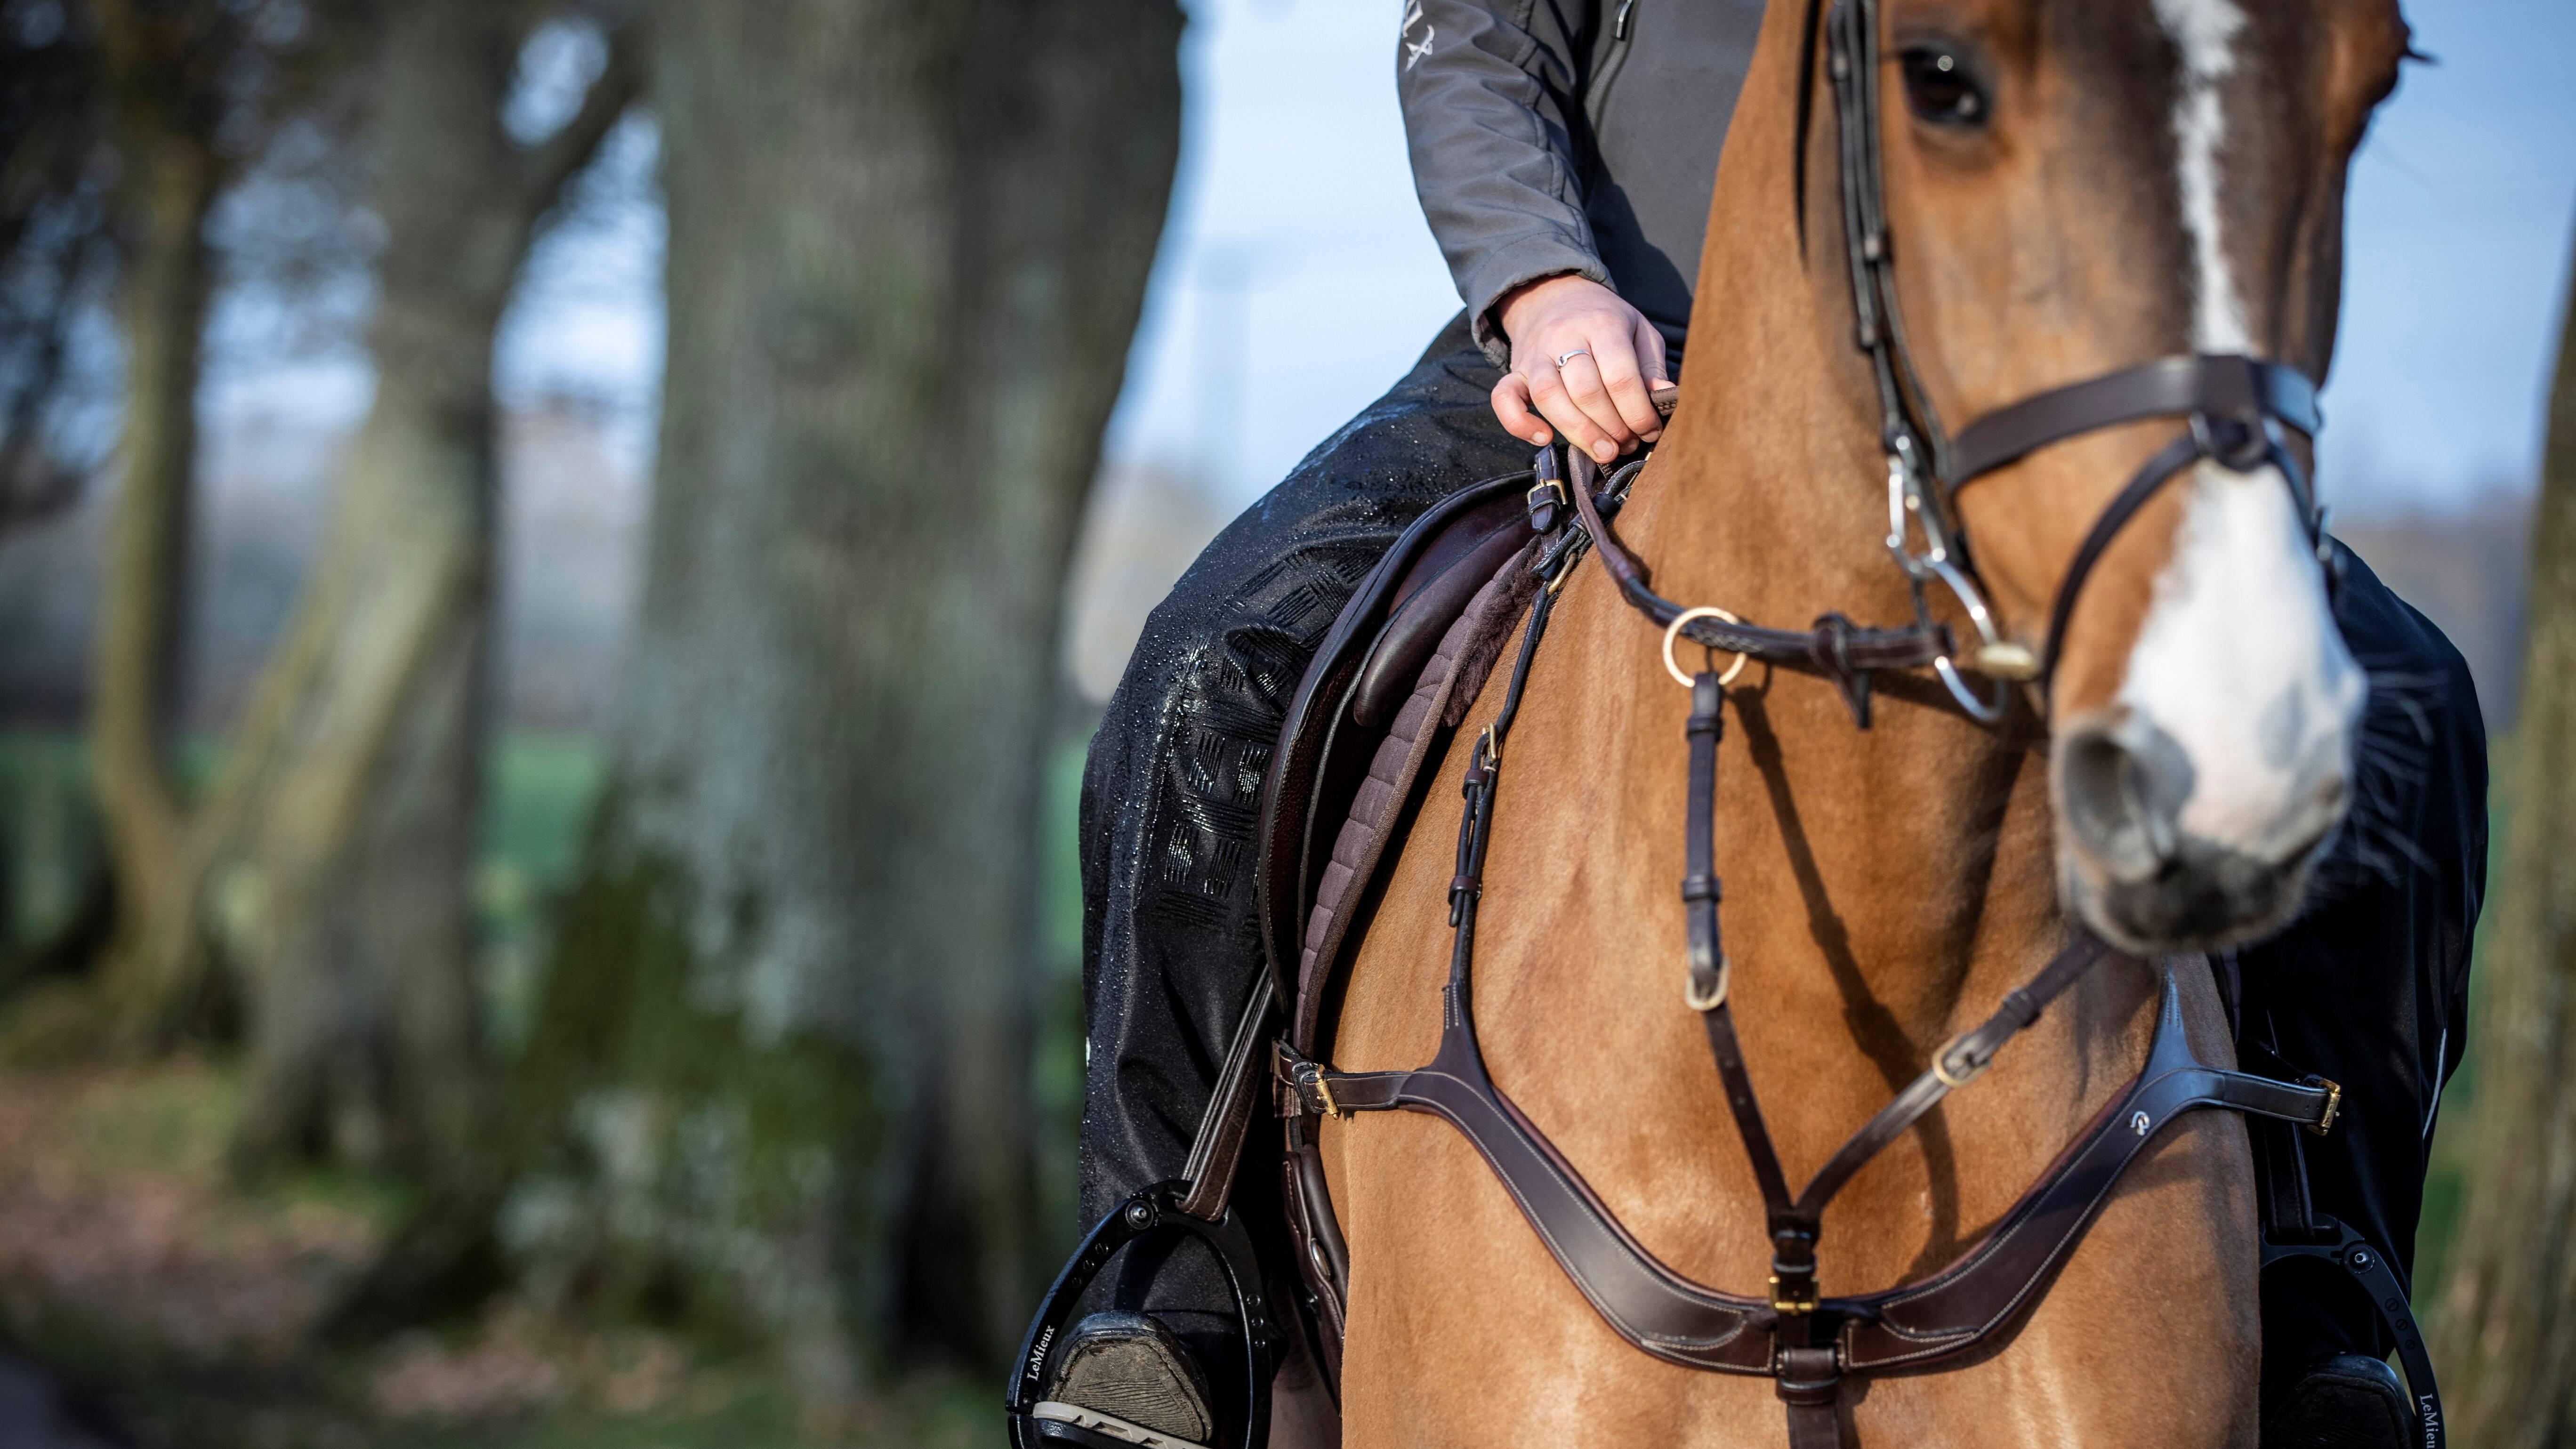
<point>1564,152</point>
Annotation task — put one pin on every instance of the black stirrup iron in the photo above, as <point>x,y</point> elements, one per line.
<point>1156,1211</point>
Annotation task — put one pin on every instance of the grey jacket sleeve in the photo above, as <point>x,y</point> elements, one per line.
<point>1490,95</point>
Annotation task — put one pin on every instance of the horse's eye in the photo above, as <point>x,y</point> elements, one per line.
<point>1941,90</point>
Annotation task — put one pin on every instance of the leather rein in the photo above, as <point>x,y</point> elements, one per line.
<point>1806,1342</point>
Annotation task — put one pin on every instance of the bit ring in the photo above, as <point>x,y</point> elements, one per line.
<point>1674,629</point>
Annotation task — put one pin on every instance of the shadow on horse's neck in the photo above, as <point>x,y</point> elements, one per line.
<point>1908,863</point>
<point>1767,499</point>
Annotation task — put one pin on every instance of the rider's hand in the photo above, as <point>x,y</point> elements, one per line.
<point>1598,396</point>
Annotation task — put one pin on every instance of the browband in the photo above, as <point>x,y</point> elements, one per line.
<point>2237,389</point>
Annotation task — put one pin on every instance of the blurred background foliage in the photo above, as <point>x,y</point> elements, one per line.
<point>557,560</point>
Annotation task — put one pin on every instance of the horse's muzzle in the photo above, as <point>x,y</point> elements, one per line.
<point>2139,878</point>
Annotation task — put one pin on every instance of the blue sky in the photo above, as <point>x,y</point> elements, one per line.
<point>1297,278</point>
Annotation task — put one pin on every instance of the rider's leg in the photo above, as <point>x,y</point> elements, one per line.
<point>2369,986</point>
<point>1169,796</point>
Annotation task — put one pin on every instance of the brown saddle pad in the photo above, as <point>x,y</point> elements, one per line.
<point>1400,665</point>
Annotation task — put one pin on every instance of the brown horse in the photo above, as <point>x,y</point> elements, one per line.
<point>2086,184</point>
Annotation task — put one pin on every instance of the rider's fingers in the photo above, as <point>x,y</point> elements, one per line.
<point>1623,380</point>
<point>1547,389</point>
<point>1650,353</point>
<point>1583,383</point>
<point>1512,410</point>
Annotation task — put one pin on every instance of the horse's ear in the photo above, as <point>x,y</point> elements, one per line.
<point>1806,112</point>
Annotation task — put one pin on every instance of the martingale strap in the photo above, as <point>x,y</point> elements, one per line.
<point>1806,1342</point>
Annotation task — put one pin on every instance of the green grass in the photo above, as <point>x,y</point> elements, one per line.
<point>536,809</point>
<point>48,835</point>
<point>1056,1065</point>
<point>538,793</point>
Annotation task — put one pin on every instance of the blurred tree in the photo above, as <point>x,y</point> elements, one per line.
<point>2505,1329</point>
<point>340,834</point>
<point>58,168</point>
<point>175,86</point>
<point>779,1078</point>
<point>57,172</point>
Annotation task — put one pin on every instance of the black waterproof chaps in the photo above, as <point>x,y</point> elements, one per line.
<point>2368,987</point>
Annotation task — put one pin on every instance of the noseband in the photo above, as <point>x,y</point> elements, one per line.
<point>2233,404</point>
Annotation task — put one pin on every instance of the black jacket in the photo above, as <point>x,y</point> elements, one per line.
<point>1553,136</point>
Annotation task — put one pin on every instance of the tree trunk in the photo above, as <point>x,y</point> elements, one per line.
<point>781,1064</point>
<point>172,180</point>
<point>2505,1332</point>
<point>342,830</point>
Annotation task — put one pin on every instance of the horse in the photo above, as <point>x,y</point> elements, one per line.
<point>2070,187</point>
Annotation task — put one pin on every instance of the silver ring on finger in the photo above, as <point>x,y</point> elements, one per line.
<point>1569,357</point>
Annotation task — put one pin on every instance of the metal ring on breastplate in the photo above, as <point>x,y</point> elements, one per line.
<point>1675,628</point>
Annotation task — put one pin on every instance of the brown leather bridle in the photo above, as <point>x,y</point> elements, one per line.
<point>2232,404</point>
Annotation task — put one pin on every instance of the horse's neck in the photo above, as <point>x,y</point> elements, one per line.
<point>1910,849</point>
<point>1883,889</point>
<point>1916,850</point>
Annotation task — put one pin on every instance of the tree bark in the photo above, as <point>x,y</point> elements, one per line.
<point>172,175</point>
<point>781,1062</point>
<point>2505,1332</point>
<point>340,836</point>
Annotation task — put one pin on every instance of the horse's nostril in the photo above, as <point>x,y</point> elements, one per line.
<point>2122,784</point>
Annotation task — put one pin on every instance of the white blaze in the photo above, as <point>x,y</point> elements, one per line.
<point>2205,31</point>
<point>2238,659</point>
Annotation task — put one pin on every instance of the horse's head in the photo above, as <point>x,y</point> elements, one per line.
<point>2077,186</point>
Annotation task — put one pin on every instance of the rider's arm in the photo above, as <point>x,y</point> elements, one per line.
<point>1489,90</point>
<point>1491,93</point>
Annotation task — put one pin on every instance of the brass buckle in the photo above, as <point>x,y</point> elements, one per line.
<point>1716,995</point>
<point>2334,1104</point>
<point>1324,1093</point>
<point>1941,1064</point>
<point>1782,1304</point>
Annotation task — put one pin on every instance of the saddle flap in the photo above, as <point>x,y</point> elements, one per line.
<point>1313,771</point>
